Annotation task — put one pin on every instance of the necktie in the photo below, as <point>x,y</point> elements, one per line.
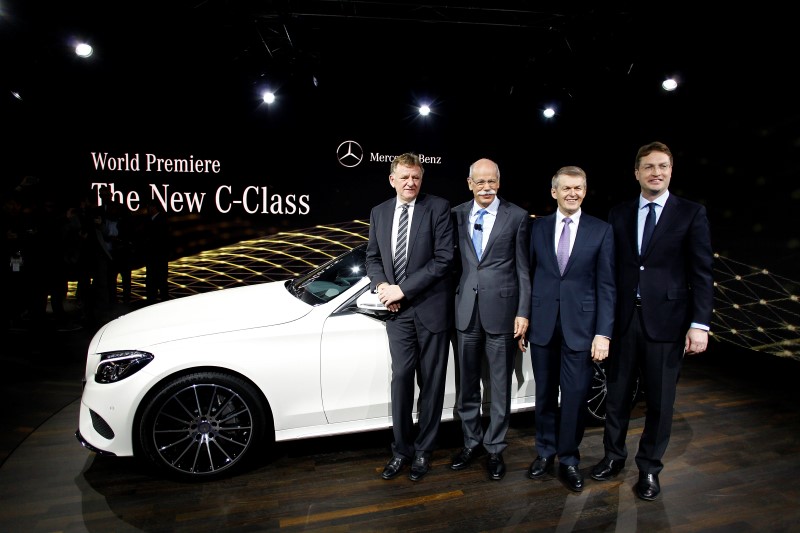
<point>649,227</point>
<point>562,253</point>
<point>477,233</point>
<point>400,248</point>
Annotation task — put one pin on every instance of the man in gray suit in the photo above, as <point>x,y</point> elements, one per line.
<point>411,271</point>
<point>492,307</point>
<point>572,317</point>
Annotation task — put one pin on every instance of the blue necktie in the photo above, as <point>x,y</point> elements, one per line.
<point>477,233</point>
<point>649,227</point>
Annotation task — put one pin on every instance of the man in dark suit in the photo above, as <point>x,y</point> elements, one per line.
<point>156,248</point>
<point>572,319</point>
<point>492,308</point>
<point>664,277</point>
<point>411,272</point>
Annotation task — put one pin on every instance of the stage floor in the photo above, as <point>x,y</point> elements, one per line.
<point>733,465</point>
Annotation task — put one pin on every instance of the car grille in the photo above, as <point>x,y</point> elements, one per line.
<point>101,426</point>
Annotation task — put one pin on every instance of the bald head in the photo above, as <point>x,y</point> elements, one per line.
<point>484,181</point>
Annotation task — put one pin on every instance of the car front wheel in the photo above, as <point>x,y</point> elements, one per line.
<point>202,426</point>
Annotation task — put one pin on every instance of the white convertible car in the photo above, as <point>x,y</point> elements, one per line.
<point>200,384</point>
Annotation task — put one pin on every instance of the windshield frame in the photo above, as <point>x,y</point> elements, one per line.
<point>324,283</point>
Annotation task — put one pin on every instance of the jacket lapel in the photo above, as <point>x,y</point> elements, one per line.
<point>500,222</point>
<point>632,227</point>
<point>386,228</point>
<point>462,219</point>
<point>668,214</point>
<point>420,208</point>
<point>585,234</point>
<point>550,236</point>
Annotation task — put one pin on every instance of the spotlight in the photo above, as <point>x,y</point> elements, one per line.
<point>549,112</point>
<point>268,97</point>
<point>424,110</point>
<point>84,50</point>
<point>669,84</point>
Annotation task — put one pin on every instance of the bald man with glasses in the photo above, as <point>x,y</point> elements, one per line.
<point>492,309</point>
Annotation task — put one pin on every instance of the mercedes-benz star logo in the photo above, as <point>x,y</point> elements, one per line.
<point>349,154</point>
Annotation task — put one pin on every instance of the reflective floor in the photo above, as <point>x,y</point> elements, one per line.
<point>732,465</point>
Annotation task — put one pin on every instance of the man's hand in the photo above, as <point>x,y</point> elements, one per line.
<point>600,346</point>
<point>696,340</point>
<point>520,330</point>
<point>390,296</point>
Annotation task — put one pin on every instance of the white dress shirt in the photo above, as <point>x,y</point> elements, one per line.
<point>488,219</point>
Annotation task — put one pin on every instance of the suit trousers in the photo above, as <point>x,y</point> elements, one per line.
<point>659,364</point>
<point>559,370</point>
<point>416,352</point>
<point>499,350</point>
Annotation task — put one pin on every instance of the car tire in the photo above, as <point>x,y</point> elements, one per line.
<point>203,426</point>
<point>596,402</point>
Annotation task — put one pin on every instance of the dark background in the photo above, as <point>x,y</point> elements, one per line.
<point>180,78</point>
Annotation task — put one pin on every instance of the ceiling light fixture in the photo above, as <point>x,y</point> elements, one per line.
<point>84,50</point>
<point>669,84</point>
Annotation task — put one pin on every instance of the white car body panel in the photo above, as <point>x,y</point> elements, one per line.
<point>322,373</point>
<point>223,311</point>
<point>356,369</point>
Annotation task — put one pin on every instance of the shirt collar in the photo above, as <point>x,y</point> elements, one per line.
<point>492,209</point>
<point>410,204</point>
<point>575,217</point>
<point>661,200</point>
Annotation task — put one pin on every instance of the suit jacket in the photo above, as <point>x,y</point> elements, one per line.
<point>428,287</point>
<point>502,276</point>
<point>156,238</point>
<point>585,295</point>
<point>674,276</point>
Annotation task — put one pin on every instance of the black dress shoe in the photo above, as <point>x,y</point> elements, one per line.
<point>607,469</point>
<point>393,467</point>
<point>648,487</point>
<point>496,466</point>
<point>541,466</point>
<point>571,477</point>
<point>463,458</point>
<point>419,468</point>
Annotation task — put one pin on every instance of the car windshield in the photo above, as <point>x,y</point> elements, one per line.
<point>331,279</point>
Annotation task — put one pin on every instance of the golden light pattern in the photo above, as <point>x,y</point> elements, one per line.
<point>281,256</point>
<point>753,308</point>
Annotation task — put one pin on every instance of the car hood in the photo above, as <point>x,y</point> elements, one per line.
<point>265,304</point>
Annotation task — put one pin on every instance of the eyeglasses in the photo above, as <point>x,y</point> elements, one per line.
<point>481,183</point>
<point>663,167</point>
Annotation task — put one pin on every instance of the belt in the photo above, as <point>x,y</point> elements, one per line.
<point>638,301</point>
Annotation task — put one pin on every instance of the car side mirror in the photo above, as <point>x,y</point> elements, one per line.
<point>369,304</point>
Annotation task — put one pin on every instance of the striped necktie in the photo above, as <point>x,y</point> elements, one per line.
<point>400,248</point>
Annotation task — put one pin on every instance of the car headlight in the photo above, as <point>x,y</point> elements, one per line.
<point>118,365</point>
